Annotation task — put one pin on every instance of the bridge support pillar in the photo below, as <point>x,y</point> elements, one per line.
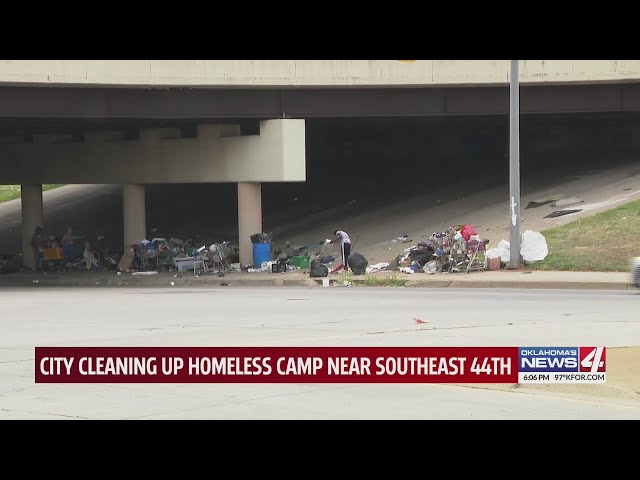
<point>249,218</point>
<point>32,217</point>
<point>135,220</point>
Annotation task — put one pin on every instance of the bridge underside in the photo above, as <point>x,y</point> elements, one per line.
<point>81,115</point>
<point>263,103</point>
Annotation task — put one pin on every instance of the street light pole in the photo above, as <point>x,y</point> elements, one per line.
<point>514,168</point>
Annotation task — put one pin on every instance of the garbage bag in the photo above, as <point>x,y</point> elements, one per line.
<point>357,263</point>
<point>503,251</point>
<point>533,247</point>
<point>421,255</point>
<point>317,269</point>
<point>260,238</point>
<point>430,267</point>
<point>467,232</point>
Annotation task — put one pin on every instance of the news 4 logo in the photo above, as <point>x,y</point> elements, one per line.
<point>593,359</point>
<point>562,359</point>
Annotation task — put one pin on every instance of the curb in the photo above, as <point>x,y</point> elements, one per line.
<point>523,285</point>
<point>123,282</point>
<point>136,282</point>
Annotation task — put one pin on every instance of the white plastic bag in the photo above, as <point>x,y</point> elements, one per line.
<point>533,247</point>
<point>430,267</point>
<point>502,250</point>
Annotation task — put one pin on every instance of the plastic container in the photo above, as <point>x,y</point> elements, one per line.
<point>278,267</point>
<point>301,261</point>
<point>183,264</point>
<point>261,253</point>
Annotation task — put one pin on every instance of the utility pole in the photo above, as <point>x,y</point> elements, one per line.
<point>514,168</point>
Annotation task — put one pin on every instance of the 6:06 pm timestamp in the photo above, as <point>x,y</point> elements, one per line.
<point>562,378</point>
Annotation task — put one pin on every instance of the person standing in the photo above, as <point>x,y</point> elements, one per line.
<point>345,248</point>
<point>67,246</point>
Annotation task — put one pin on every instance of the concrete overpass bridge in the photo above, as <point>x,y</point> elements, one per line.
<point>144,122</point>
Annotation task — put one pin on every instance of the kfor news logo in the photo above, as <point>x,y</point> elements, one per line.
<point>562,364</point>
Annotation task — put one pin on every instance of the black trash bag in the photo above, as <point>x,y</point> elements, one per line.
<point>327,259</point>
<point>260,238</point>
<point>421,255</point>
<point>357,263</point>
<point>317,269</point>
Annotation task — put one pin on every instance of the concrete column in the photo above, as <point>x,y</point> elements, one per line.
<point>635,139</point>
<point>249,218</point>
<point>32,217</point>
<point>135,220</point>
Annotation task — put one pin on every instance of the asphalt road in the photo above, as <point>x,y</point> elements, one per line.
<point>305,317</point>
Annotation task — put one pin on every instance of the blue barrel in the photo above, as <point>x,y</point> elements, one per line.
<point>261,253</point>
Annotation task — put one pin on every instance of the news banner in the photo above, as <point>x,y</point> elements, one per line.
<point>541,365</point>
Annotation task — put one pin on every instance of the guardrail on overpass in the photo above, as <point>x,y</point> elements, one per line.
<point>310,73</point>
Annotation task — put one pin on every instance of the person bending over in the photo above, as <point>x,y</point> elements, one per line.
<point>345,248</point>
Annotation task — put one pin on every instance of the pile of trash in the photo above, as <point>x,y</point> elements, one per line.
<point>318,258</point>
<point>460,249</point>
<point>287,258</point>
<point>457,249</point>
<point>172,254</point>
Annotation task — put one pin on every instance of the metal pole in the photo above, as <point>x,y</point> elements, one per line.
<point>514,167</point>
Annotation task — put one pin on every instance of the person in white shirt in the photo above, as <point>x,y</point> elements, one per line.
<point>345,248</point>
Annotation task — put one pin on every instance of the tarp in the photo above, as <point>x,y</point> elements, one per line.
<point>567,202</point>
<point>544,201</point>
<point>560,213</point>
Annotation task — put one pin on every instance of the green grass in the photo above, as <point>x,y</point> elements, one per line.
<point>372,280</point>
<point>383,280</point>
<point>604,242</point>
<point>11,192</point>
<point>344,279</point>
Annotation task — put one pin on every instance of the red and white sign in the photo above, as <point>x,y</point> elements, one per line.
<point>593,359</point>
<point>276,365</point>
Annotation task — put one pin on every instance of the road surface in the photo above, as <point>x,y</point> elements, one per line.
<point>339,316</point>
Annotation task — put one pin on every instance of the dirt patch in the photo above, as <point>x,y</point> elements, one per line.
<point>486,209</point>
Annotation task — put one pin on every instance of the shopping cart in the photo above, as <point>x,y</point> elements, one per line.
<point>220,256</point>
<point>475,254</point>
<point>148,254</point>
